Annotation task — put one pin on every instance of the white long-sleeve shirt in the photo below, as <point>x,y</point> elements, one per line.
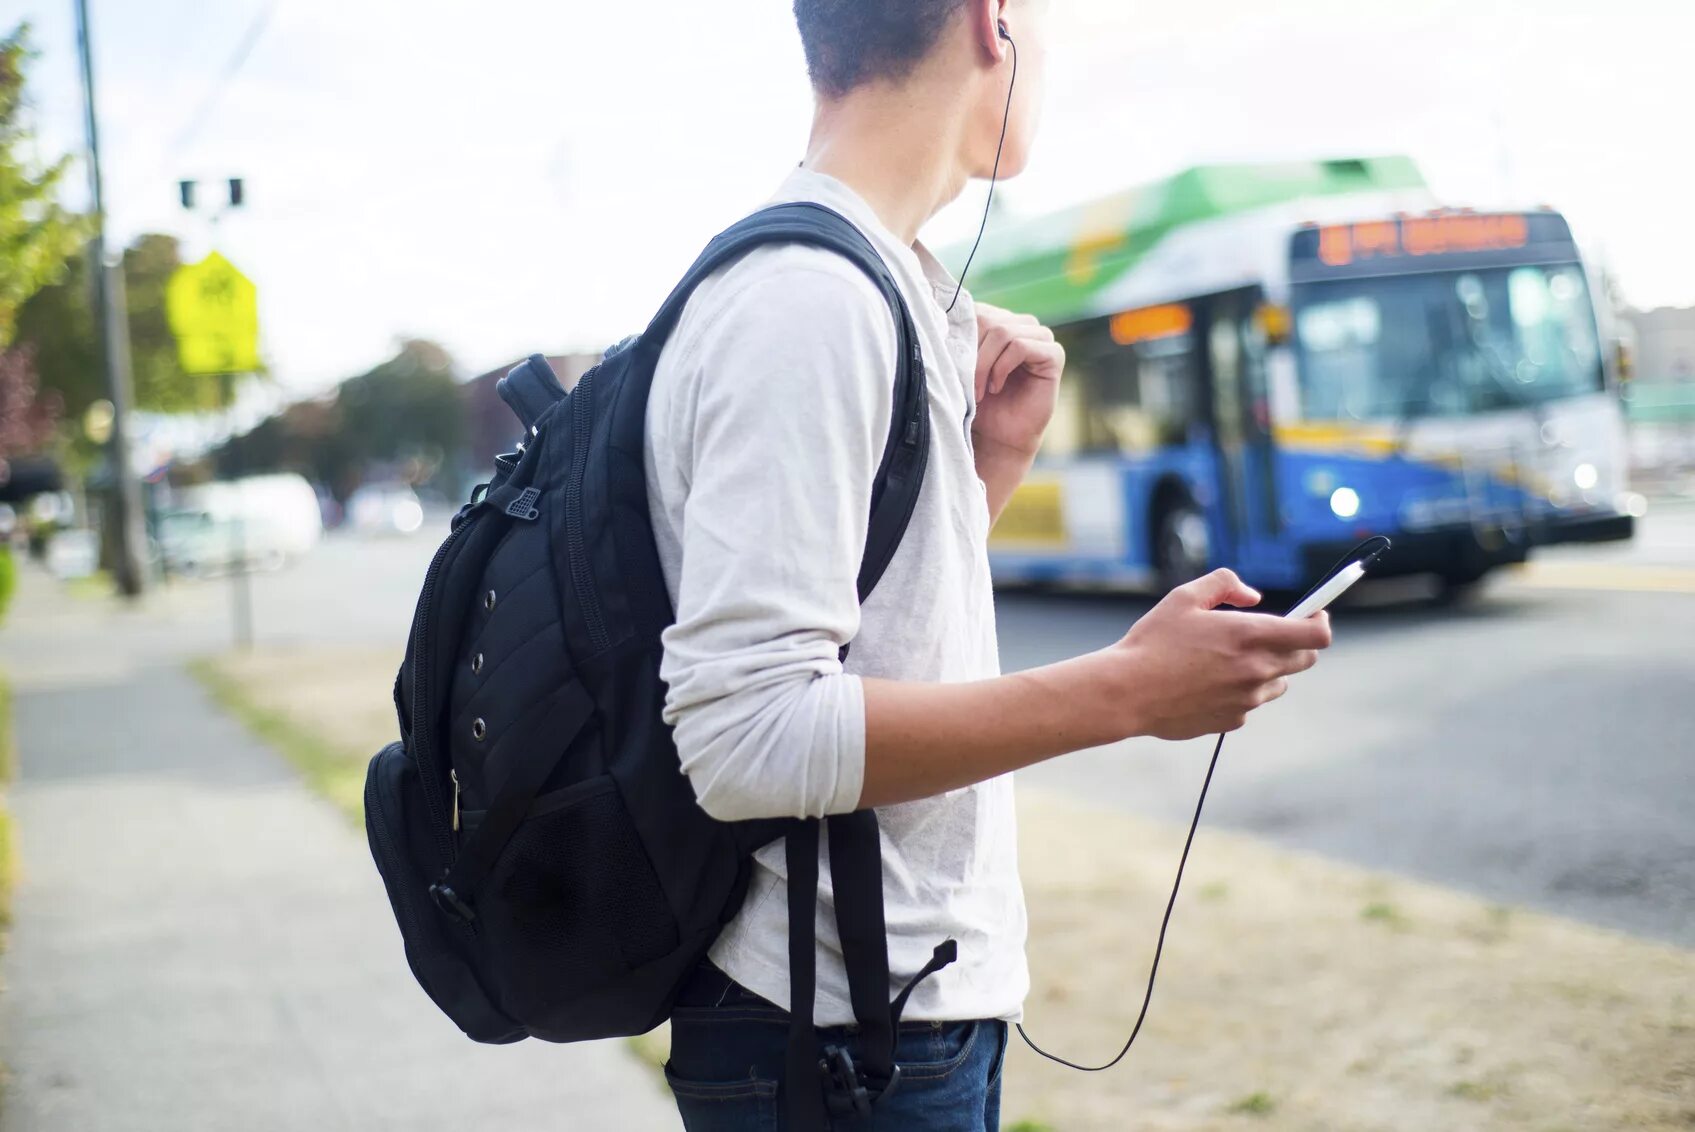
<point>766,423</point>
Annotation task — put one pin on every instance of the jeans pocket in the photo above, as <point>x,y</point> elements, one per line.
<point>725,1106</point>
<point>945,1081</point>
<point>935,1053</point>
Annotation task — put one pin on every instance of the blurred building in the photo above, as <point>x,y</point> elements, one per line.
<point>1660,400</point>
<point>490,426</point>
<point>1664,343</point>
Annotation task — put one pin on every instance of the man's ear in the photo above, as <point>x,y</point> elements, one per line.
<point>987,19</point>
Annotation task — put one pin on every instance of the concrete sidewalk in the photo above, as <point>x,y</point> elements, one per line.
<point>199,943</point>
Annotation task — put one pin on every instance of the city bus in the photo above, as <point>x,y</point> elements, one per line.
<point>1268,363</point>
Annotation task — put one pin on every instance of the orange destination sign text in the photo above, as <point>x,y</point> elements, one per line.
<point>1342,244</point>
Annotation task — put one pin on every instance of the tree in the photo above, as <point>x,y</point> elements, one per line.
<point>59,322</point>
<point>27,419</point>
<point>37,236</point>
<point>160,383</point>
<point>404,418</point>
<point>407,408</point>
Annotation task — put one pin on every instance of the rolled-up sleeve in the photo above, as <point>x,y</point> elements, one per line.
<point>790,378</point>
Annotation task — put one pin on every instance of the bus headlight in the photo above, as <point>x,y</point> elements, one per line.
<point>1585,477</point>
<point>1345,502</point>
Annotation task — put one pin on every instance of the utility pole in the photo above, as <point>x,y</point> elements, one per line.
<point>113,320</point>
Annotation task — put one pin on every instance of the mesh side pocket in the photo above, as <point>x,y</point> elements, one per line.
<point>577,900</point>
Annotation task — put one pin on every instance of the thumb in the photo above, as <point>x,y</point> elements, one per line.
<point>1221,587</point>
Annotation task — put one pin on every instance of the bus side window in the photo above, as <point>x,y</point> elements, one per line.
<point>1122,399</point>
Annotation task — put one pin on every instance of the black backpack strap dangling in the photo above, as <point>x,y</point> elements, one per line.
<point>856,879</point>
<point>802,1102</point>
<point>827,1083</point>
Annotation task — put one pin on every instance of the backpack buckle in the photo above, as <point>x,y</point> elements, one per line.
<point>846,1092</point>
<point>448,901</point>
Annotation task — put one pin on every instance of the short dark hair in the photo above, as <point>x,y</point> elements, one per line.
<point>852,42</point>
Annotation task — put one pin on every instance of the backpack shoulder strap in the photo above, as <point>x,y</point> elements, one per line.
<point>832,1085</point>
<point>900,474</point>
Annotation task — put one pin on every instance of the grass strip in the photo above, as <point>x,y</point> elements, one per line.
<point>8,771</point>
<point>335,772</point>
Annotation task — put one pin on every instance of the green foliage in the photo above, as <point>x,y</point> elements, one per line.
<point>1254,1104</point>
<point>407,414</point>
<point>1482,1091</point>
<point>407,408</point>
<point>1383,913</point>
<point>8,738</point>
<point>36,234</point>
<point>8,769</point>
<point>160,383</point>
<point>8,583</point>
<point>60,323</point>
<point>8,859</point>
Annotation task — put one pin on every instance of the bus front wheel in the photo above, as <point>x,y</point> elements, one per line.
<point>1182,548</point>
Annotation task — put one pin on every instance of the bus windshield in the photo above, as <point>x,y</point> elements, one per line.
<point>1447,343</point>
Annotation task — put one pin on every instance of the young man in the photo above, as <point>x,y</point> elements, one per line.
<point>766,424</point>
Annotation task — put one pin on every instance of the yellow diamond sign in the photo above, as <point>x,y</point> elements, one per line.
<point>214,311</point>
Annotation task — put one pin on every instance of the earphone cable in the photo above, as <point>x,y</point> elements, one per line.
<point>1159,948</point>
<point>1368,552</point>
<point>994,176</point>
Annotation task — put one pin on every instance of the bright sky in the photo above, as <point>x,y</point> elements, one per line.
<point>521,175</point>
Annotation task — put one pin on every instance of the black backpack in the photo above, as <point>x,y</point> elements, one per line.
<point>550,869</point>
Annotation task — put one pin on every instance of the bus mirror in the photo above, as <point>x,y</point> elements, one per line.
<point>1625,360</point>
<point>1273,323</point>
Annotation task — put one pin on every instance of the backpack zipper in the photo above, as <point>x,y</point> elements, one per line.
<point>582,576</point>
<point>421,681</point>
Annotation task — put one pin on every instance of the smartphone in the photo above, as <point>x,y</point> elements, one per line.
<point>1328,592</point>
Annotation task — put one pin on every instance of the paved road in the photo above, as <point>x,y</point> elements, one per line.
<point>200,944</point>
<point>1535,748</point>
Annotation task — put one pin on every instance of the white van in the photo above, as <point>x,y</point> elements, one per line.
<point>278,515</point>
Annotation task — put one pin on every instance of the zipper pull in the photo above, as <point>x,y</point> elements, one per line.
<point>453,774</point>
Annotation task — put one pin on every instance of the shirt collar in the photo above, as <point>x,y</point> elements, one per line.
<point>916,260</point>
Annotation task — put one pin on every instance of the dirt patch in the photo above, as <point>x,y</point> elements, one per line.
<point>346,696</point>
<point>1295,994</point>
<point>326,710</point>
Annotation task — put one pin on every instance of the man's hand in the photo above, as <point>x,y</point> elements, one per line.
<point>1018,371</point>
<point>1189,668</point>
<point>1186,669</point>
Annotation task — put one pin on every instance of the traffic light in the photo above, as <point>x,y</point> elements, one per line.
<point>186,192</point>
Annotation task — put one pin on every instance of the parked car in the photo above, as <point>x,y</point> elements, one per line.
<point>385,509</point>
<point>264,520</point>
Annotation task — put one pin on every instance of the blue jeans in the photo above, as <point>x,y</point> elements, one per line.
<point>726,1067</point>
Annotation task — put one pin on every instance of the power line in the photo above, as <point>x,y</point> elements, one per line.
<point>255,32</point>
